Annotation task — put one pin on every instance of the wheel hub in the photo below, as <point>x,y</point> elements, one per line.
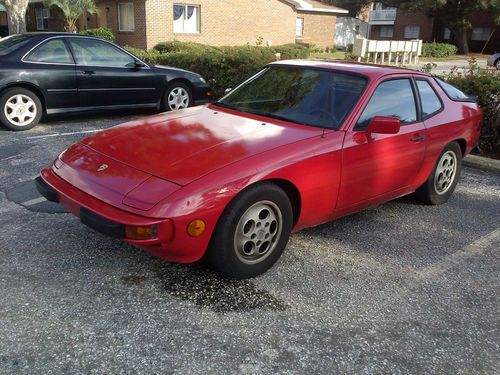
<point>20,110</point>
<point>445,172</point>
<point>258,232</point>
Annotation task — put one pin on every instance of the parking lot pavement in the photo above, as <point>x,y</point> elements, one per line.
<point>402,288</point>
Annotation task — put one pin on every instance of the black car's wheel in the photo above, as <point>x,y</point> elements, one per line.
<point>444,177</point>
<point>20,109</point>
<point>252,232</point>
<point>177,96</point>
<point>497,64</point>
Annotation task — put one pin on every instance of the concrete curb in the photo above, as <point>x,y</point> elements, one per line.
<point>480,162</point>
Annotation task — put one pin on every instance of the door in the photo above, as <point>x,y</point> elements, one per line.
<point>108,76</point>
<point>52,67</point>
<point>378,165</point>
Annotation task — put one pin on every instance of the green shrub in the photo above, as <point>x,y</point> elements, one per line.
<point>292,51</point>
<point>100,32</point>
<point>176,46</point>
<point>434,49</point>
<point>485,85</point>
<point>151,55</point>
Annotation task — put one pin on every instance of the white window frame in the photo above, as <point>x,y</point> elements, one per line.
<point>41,15</point>
<point>387,34</point>
<point>198,18</point>
<point>412,32</point>
<point>299,26</point>
<point>480,33</point>
<point>126,3</point>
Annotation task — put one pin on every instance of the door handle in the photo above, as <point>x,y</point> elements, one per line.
<point>88,72</point>
<point>418,138</point>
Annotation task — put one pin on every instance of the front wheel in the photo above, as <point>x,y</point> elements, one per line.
<point>444,177</point>
<point>20,109</point>
<point>252,232</point>
<point>497,64</point>
<point>177,96</point>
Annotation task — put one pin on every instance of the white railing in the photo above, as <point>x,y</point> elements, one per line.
<point>382,15</point>
<point>398,52</point>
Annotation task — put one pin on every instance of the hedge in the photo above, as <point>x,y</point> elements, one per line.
<point>485,84</point>
<point>223,67</point>
<point>100,32</point>
<point>434,49</point>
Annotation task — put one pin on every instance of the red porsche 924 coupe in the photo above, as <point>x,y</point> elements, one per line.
<point>296,145</point>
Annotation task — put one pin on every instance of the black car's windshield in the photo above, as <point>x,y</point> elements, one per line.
<point>302,95</point>
<point>11,43</point>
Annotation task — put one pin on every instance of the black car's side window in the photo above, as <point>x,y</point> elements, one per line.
<point>93,52</point>
<point>52,52</point>
<point>430,101</point>
<point>391,98</point>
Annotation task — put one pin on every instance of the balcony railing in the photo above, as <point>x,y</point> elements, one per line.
<point>385,15</point>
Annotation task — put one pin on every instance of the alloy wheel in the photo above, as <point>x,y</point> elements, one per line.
<point>178,98</point>
<point>20,110</point>
<point>445,172</point>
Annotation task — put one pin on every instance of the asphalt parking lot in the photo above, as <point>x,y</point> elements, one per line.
<point>402,288</point>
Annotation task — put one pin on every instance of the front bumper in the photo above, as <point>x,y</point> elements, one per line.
<point>111,221</point>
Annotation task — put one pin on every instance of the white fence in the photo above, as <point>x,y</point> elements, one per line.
<point>398,52</point>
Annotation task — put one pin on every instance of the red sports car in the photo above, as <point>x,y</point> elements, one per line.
<point>296,145</point>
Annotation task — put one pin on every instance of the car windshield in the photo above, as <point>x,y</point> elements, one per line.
<point>306,96</point>
<point>11,43</point>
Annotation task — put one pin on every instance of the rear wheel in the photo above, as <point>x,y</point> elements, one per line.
<point>497,64</point>
<point>20,109</point>
<point>252,232</point>
<point>444,177</point>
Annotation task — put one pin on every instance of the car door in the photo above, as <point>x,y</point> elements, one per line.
<point>380,165</point>
<point>52,67</point>
<point>108,76</point>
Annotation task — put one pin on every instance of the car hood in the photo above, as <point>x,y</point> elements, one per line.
<point>185,145</point>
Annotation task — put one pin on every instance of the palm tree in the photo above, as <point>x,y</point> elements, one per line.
<point>73,10</point>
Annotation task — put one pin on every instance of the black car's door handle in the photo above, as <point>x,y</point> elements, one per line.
<point>88,72</point>
<point>417,138</point>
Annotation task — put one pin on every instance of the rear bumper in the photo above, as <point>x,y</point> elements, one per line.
<point>111,221</point>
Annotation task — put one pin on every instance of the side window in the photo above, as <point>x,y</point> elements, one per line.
<point>391,98</point>
<point>451,91</point>
<point>430,101</point>
<point>54,51</point>
<point>91,52</point>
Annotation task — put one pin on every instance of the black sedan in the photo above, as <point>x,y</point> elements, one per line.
<point>49,73</point>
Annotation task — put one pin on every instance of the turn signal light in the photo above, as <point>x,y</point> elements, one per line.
<point>196,228</point>
<point>147,232</point>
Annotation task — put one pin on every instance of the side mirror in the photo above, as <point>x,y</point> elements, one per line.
<point>384,125</point>
<point>228,90</point>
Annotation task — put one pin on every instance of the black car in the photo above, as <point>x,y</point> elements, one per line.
<point>48,73</point>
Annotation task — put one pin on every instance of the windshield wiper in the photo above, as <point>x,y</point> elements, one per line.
<point>275,116</point>
<point>225,105</point>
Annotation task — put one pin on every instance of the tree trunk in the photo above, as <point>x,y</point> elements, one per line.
<point>16,15</point>
<point>461,39</point>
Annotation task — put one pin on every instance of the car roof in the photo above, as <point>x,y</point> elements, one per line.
<point>370,70</point>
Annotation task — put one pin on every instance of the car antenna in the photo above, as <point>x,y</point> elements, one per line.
<point>323,134</point>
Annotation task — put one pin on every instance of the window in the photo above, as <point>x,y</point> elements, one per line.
<point>93,52</point>
<point>446,34</point>
<point>391,98</point>
<point>126,17</point>
<point>13,42</point>
<point>386,31</point>
<point>54,51</point>
<point>452,91</point>
<point>42,18</point>
<point>430,101</point>
<point>306,96</point>
<point>412,32</point>
<point>299,27</point>
<point>480,33</point>
<point>186,18</point>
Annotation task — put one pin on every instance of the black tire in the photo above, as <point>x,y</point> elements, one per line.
<point>226,252</point>
<point>179,90</point>
<point>439,191</point>
<point>30,105</point>
<point>497,64</point>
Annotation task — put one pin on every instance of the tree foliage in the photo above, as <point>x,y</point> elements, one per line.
<point>455,14</point>
<point>16,15</point>
<point>353,6</point>
<point>73,10</point>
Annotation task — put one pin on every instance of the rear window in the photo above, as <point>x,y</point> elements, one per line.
<point>11,43</point>
<point>452,91</point>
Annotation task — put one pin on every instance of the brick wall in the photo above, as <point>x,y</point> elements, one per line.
<point>135,38</point>
<point>319,29</point>
<point>56,20</point>
<point>404,19</point>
